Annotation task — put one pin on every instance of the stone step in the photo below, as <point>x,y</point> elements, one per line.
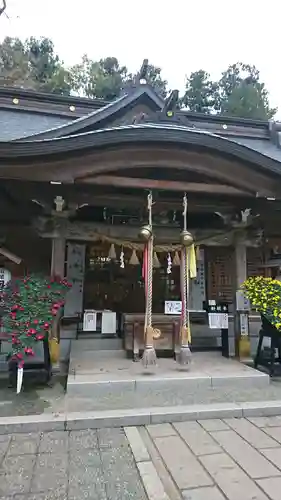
<point>95,354</point>
<point>97,344</point>
<point>69,421</point>
<point>83,383</point>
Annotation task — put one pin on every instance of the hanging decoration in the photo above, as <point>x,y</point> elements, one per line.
<point>112,252</point>
<point>19,377</point>
<point>183,357</point>
<point>176,259</point>
<point>169,263</point>
<point>156,262</point>
<point>134,260</point>
<point>122,262</point>
<point>192,261</point>
<point>149,358</point>
<point>160,248</point>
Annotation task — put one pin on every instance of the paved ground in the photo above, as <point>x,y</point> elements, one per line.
<point>210,459</point>
<point>59,465</point>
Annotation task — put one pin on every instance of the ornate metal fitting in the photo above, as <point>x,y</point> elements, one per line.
<point>186,238</point>
<point>145,232</point>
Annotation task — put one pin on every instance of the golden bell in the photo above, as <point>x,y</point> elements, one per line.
<point>145,232</point>
<point>186,238</point>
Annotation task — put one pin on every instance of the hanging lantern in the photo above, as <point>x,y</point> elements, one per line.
<point>112,252</point>
<point>156,262</point>
<point>176,259</point>
<point>134,261</point>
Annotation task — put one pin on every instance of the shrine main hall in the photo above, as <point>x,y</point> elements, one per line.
<point>76,176</point>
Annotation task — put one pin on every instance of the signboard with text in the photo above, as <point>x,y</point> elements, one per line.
<point>217,315</point>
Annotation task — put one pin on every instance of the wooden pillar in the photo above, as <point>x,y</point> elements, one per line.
<point>242,343</point>
<point>57,269</point>
<point>58,257</point>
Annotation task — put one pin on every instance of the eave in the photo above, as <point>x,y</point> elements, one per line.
<point>76,157</point>
<point>20,151</point>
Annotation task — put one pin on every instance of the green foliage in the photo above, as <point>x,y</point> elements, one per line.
<point>99,79</point>
<point>248,101</point>
<point>32,64</point>
<point>242,94</point>
<point>265,295</point>
<point>30,303</point>
<point>201,93</point>
<point>239,92</point>
<point>105,79</point>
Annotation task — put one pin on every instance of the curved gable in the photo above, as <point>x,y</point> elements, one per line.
<point>72,159</point>
<point>142,95</point>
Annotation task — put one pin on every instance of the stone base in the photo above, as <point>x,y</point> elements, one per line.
<point>109,377</point>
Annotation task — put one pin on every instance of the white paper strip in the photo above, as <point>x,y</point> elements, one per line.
<point>19,379</point>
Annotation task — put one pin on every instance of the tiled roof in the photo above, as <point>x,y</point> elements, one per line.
<point>15,125</point>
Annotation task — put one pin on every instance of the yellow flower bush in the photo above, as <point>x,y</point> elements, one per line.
<point>265,296</point>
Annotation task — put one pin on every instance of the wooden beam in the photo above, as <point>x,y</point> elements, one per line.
<point>48,227</point>
<point>79,194</point>
<point>167,185</point>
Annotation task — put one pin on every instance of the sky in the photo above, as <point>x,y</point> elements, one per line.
<point>180,36</point>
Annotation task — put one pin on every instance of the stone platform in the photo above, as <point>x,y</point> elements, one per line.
<point>103,377</point>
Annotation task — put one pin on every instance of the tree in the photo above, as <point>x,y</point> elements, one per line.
<point>239,92</point>
<point>32,64</point>
<point>201,93</point>
<point>105,79</point>
<point>99,79</point>
<point>45,67</point>
<point>242,94</point>
<point>248,101</point>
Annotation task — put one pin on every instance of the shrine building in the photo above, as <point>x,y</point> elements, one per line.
<point>75,175</point>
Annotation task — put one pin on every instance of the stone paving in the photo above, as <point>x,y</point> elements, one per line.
<point>227,459</point>
<point>88,464</point>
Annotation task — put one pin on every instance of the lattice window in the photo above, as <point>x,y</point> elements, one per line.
<point>255,260</point>
<point>220,265</point>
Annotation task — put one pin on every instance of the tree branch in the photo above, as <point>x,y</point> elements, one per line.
<point>3,8</point>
